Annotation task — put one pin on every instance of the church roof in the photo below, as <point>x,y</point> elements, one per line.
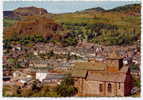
<point>106,76</point>
<point>96,71</point>
<point>92,65</point>
<point>80,68</point>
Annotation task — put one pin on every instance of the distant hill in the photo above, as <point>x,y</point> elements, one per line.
<point>24,11</point>
<point>97,9</point>
<point>10,14</point>
<point>132,9</point>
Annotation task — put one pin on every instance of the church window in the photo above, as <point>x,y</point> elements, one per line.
<point>109,88</point>
<point>101,87</point>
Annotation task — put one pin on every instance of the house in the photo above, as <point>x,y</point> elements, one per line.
<point>48,77</point>
<point>17,47</point>
<point>97,78</point>
<point>35,53</point>
<point>64,66</point>
<point>54,78</point>
<point>38,63</point>
<point>25,79</point>
<point>18,75</point>
<point>21,77</point>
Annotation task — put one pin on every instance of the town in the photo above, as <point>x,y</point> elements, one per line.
<point>50,63</point>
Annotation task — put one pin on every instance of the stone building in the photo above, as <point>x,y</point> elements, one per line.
<point>106,78</point>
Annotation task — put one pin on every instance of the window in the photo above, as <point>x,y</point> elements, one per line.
<point>109,88</point>
<point>101,87</point>
<point>119,86</point>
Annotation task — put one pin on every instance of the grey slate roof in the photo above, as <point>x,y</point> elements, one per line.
<point>79,73</point>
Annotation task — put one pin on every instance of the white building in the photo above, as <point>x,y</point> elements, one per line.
<point>41,76</point>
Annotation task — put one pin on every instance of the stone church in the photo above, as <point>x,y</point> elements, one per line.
<point>107,78</point>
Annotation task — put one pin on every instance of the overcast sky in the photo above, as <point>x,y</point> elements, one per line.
<point>65,6</point>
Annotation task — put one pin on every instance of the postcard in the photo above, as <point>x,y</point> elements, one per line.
<point>71,49</point>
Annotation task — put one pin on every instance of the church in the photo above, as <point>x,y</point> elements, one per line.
<point>102,78</point>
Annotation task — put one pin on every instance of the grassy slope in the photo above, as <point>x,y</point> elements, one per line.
<point>8,22</point>
<point>112,18</point>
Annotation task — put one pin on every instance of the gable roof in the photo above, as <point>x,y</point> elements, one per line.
<point>106,76</point>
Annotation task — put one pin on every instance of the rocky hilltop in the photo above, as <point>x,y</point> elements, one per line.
<point>24,11</point>
<point>30,11</point>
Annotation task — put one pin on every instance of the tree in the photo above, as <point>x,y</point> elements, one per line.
<point>45,91</point>
<point>66,88</point>
<point>36,85</point>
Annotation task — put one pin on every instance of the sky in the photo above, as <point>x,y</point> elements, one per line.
<point>65,6</point>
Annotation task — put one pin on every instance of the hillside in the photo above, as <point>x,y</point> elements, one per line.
<point>107,27</point>
<point>33,26</point>
<point>110,27</point>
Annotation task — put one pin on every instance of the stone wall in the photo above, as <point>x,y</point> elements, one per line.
<point>117,89</point>
<point>120,89</point>
<point>92,88</point>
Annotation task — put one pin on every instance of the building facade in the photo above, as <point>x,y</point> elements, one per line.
<point>108,78</point>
